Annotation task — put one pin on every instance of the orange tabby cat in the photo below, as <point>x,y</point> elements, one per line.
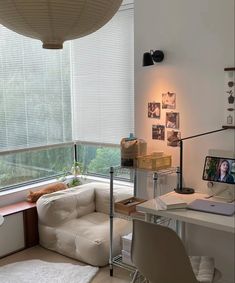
<point>34,196</point>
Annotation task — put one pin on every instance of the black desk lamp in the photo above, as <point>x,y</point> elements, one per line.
<point>180,189</point>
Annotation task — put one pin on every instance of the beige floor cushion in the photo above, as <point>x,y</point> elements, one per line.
<point>85,238</point>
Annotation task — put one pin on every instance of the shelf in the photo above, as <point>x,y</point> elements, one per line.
<point>166,171</point>
<point>30,220</point>
<point>134,215</point>
<point>15,208</point>
<point>117,261</point>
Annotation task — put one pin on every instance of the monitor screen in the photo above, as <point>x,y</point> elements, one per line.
<point>219,169</point>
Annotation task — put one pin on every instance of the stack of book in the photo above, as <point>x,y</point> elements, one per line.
<point>170,201</point>
<point>126,249</point>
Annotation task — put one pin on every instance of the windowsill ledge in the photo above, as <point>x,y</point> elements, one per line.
<point>27,187</point>
<point>19,194</point>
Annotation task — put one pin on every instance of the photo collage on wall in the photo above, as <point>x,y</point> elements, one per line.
<point>169,129</point>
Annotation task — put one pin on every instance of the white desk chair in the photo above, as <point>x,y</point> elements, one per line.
<point>159,255</point>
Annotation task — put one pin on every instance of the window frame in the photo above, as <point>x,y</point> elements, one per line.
<point>34,149</point>
<point>74,145</point>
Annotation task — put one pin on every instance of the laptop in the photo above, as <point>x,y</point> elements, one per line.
<point>210,206</point>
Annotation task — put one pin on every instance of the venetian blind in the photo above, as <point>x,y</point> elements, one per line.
<point>102,68</point>
<point>35,96</point>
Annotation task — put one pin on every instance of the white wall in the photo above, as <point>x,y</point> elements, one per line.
<point>197,37</point>
<point>198,40</point>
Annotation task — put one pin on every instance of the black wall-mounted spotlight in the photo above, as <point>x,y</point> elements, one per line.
<point>156,56</point>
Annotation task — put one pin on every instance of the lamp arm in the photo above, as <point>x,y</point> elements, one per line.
<point>203,134</point>
<point>180,188</point>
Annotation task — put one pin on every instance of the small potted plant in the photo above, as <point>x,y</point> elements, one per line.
<point>75,170</point>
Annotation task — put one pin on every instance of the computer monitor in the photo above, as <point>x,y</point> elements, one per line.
<point>219,169</point>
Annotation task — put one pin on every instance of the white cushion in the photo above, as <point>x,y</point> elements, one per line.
<point>203,268</point>
<point>62,206</point>
<point>102,196</point>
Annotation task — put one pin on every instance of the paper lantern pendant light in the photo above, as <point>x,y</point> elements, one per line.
<point>55,21</point>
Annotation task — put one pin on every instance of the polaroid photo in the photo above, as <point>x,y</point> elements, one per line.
<point>154,110</point>
<point>172,120</point>
<point>173,138</point>
<point>158,132</point>
<point>168,100</point>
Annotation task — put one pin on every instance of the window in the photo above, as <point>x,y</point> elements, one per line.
<point>38,164</point>
<point>84,92</point>
<point>35,95</point>
<point>102,70</point>
<point>35,109</point>
<point>97,160</point>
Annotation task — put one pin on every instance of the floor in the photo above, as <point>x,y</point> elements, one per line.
<point>37,252</point>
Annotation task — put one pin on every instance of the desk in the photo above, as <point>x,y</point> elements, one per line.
<point>214,221</point>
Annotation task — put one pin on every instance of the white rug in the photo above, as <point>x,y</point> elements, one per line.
<point>37,271</point>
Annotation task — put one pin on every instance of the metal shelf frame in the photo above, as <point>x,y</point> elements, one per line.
<point>117,261</point>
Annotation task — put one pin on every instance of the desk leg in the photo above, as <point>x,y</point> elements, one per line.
<point>180,229</point>
<point>148,217</point>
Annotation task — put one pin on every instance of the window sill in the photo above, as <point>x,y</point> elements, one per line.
<point>26,187</point>
<point>19,194</point>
